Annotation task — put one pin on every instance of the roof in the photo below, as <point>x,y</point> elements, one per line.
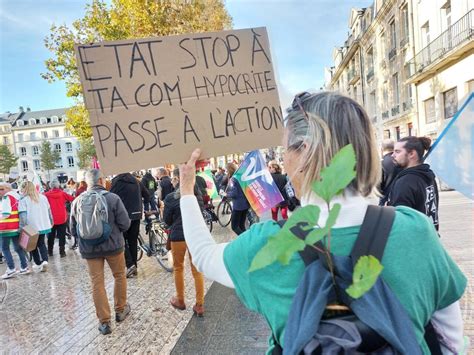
<point>44,113</point>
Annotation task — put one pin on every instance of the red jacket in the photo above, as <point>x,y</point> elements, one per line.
<point>57,200</point>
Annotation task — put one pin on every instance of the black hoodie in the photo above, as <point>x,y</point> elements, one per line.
<point>130,191</point>
<point>416,187</point>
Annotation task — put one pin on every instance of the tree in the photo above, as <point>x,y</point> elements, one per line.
<point>7,160</point>
<point>48,157</point>
<point>123,19</point>
<point>85,153</point>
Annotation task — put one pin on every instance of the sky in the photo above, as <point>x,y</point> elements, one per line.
<point>303,34</point>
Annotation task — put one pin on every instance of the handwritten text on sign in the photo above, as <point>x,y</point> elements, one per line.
<point>152,101</point>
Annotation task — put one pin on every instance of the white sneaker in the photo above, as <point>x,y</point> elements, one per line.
<point>44,264</point>
<point>37,268</point>
<point>9,273</point>
<point>25,271</point>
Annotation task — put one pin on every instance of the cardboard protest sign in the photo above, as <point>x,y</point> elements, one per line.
<point>152,101</point>
<point>257,183</point>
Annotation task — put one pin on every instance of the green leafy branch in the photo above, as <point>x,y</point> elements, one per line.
<point>305,221</point>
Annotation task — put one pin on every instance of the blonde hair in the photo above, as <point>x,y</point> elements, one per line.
<point>331,122</point>
<point>29,189</point>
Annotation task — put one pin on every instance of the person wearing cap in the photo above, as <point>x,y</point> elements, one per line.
<point>10,231</point>
<point>57,199</point>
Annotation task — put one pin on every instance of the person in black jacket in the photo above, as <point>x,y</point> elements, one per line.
<point>131,191</point>
<point>172,217</point>
<point>280,181</point>
<point>415,186</point>
<point>166,186</point>
<point>151,185</point>
<point>390,170</point>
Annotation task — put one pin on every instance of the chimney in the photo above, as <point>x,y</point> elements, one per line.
<point>21,109</point>
<point>28,109</point>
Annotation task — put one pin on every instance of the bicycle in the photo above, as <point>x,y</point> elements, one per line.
<point>224,213</point>
<point>156,247</point>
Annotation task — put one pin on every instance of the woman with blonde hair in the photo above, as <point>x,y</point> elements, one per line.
<point>420,273</point>
<point>35,212</point>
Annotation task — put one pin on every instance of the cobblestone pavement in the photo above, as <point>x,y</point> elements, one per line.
<point>53,312</point>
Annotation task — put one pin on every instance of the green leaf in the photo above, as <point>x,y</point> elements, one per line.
<point>318,234</point>
<point>284,244</point>
<point>337,175</point>
<point>366,272</point>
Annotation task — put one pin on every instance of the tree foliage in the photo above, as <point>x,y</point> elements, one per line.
<point>7,159</point>
<point>86,153</point>
<point>48,157</point>
<point>122,19</point>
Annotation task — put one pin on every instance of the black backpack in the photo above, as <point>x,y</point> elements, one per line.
<point>372,239</point>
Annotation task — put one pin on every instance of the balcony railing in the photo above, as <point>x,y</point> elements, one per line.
<point>404,41</point>
<point>392,53</point>
<point>395,110</point>
<point>459,33</point>
<point>370,74</point>
<point>385,115</point>
<point>407,105</point>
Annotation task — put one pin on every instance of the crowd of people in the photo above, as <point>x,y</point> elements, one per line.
<point>316,127</point>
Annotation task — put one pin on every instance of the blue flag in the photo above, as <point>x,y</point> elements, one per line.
<point>451,156</point>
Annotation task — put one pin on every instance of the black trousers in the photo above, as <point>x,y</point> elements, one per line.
<point>131,242</point>
<point>40,253</point>
<point>237,221</point>
<point>58,231</point>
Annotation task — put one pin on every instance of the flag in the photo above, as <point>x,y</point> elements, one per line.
<point>210,185</point>
<point>451,156</point>
<point>257,183</point>
<point>95,163</point>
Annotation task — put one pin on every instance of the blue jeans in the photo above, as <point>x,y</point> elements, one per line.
<point>8,255</point>
<point>40,253</point>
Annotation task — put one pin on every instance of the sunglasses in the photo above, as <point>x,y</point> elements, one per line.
<point>297,103</point>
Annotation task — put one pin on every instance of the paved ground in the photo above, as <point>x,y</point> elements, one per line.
<point>53,312</point>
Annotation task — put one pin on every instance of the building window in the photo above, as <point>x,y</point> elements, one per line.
<point>405,26</point>
<point>410,129</point>
<point>32,136</point>
<point>382,46</point>
<point>57,148</point>
<point>386,134</point>
<point>36,164</point>
<point>397,132</point>
<point>35,150</point>
<point>67,133</point>
<point>23,151</point>
<point>393,35</point>
<point>6,141</point>
<point>450,98</point>
<point>44,134</point>
<point>68,147</point>
<point>70,162</point>
<point>54,119</point>
<point>55,133</point>
<point>20,137</point>
<point>430,115</point>
<point>373,104</point>
<point>24,165</point>
<point>20,123</point>
<point>43,120</point>
<point>32,121</point>
<point>446,16</point>
<point>59,163</point>
<point>425,34</point>
<point>395,89</point>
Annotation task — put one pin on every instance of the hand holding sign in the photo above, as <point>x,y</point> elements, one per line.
<point>187,174</point>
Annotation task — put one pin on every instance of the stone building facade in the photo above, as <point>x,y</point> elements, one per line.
<point>388,63</point>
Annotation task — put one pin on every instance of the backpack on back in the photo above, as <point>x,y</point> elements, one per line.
<point>374,323</point>
<point>92,217</point>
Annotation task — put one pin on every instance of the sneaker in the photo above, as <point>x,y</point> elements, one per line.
<point>120,316</point>
<point>9,273</point>
<point>44,265</point>
<point>179,305</point>
<point>198,310</point>
<point>132,271</point>
<point>62,254</point>
<point>37,268</point>
<point>104,328</point>
<point>25,271</point>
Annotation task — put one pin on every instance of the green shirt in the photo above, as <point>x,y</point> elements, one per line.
<point>416,267</point>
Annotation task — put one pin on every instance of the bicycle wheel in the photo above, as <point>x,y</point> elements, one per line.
<point>224,212</point>
<point>139,248</point>
<point>162,255</point>
<point>208,218</point>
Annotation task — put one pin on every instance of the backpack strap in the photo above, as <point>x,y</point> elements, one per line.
<point>308,254</point>
<point>374,232</point>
